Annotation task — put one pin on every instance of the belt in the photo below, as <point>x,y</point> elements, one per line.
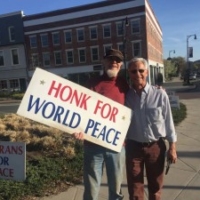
<point>145,144</point>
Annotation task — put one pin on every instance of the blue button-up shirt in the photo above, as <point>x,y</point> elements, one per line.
<point>152,117</point>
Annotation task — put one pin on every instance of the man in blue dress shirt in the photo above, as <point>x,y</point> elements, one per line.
<point>152,124</point>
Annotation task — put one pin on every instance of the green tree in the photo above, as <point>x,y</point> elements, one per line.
<point>174,67</point>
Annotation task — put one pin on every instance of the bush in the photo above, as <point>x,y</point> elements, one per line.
<point>11,95</point>
<point>54,158</point>
<point>179,114</point>
<point>17,96</point>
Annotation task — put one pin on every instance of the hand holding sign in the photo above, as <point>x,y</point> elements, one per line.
<point>79,136</point>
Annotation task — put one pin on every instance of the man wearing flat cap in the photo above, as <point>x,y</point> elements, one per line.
<point>95,156</point>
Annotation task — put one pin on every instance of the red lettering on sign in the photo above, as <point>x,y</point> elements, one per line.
<point>5,172</point>
<point>106,111</point>
<point>67,93</point>
<point>56,88</point>
<point>11,150</point>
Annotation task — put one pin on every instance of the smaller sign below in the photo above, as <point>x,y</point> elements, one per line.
<point>171,93</point>
<point>174,101</point>
<point>13,161</point>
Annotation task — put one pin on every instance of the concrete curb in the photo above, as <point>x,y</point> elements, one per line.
<point>9,101</point>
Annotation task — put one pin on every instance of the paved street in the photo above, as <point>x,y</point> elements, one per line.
<point>184,92</point>
<point>8,107</point>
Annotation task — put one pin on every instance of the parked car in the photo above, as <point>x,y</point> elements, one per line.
<point>193,76</point>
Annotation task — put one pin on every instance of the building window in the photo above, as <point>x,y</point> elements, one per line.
<point>56,38</point>
<point>95,53</point>
<point>80,35</point>
<point>121,47</point>
<point>93,33</point>
<point>82,57</point>
<point>3,85</point>
<point>34,60</point>
<point>136,49</point>
<point>107,47</point>
<point>119,28</point>
<point>106,31</point>
<point>44,40</point>
<point>135,26</point>
<point>15,56</point>
<point>33,41</point>
<point>70,56</point>
<point>58,58</point>
<point>68,36</point>
<point>46,59</point>
<point>14,84</point>
<point>1,58</point>
<point>11,31</point>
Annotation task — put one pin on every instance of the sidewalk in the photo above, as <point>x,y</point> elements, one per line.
<point>183,179</point>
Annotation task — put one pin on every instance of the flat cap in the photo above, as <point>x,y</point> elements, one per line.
<point>114,53</point>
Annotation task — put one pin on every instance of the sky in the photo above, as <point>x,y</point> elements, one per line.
<point>179,20</point>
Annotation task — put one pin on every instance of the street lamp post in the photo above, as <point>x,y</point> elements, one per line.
<point>188,65</point>
<point>171,51</point>
<point>169,58</point>
<point>125,24</point>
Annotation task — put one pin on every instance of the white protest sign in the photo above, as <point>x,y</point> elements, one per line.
<point>13,161</point>
<point>69,107</point>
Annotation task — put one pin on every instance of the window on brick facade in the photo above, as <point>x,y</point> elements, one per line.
<point>95,53</point>
<point>58,58</point>
<point>1,58</point>
<point>3,85</point>
<point>34,60</point>
<point>93,33</point>
<point>11,31</point>
<point>82,55</point>
<point>107,47</point>
<point>68,36</point>
<point>15,56</point>
<point>119,28</point>
<point>136,49</point>
<point>70,56</point>
<point>44,40</point>
<point>106,31</point>
<point>121,47</point>
<point>56,38</point>
<point>46,58</point>
<point>80,35</point>
<point>33,41</point>
<point>135,26</point>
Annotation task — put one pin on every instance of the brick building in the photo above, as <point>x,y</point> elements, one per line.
<point>71,42</point>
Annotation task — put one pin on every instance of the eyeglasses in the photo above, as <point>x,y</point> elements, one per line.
<point>113,58</point>
<point>141,71</point>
